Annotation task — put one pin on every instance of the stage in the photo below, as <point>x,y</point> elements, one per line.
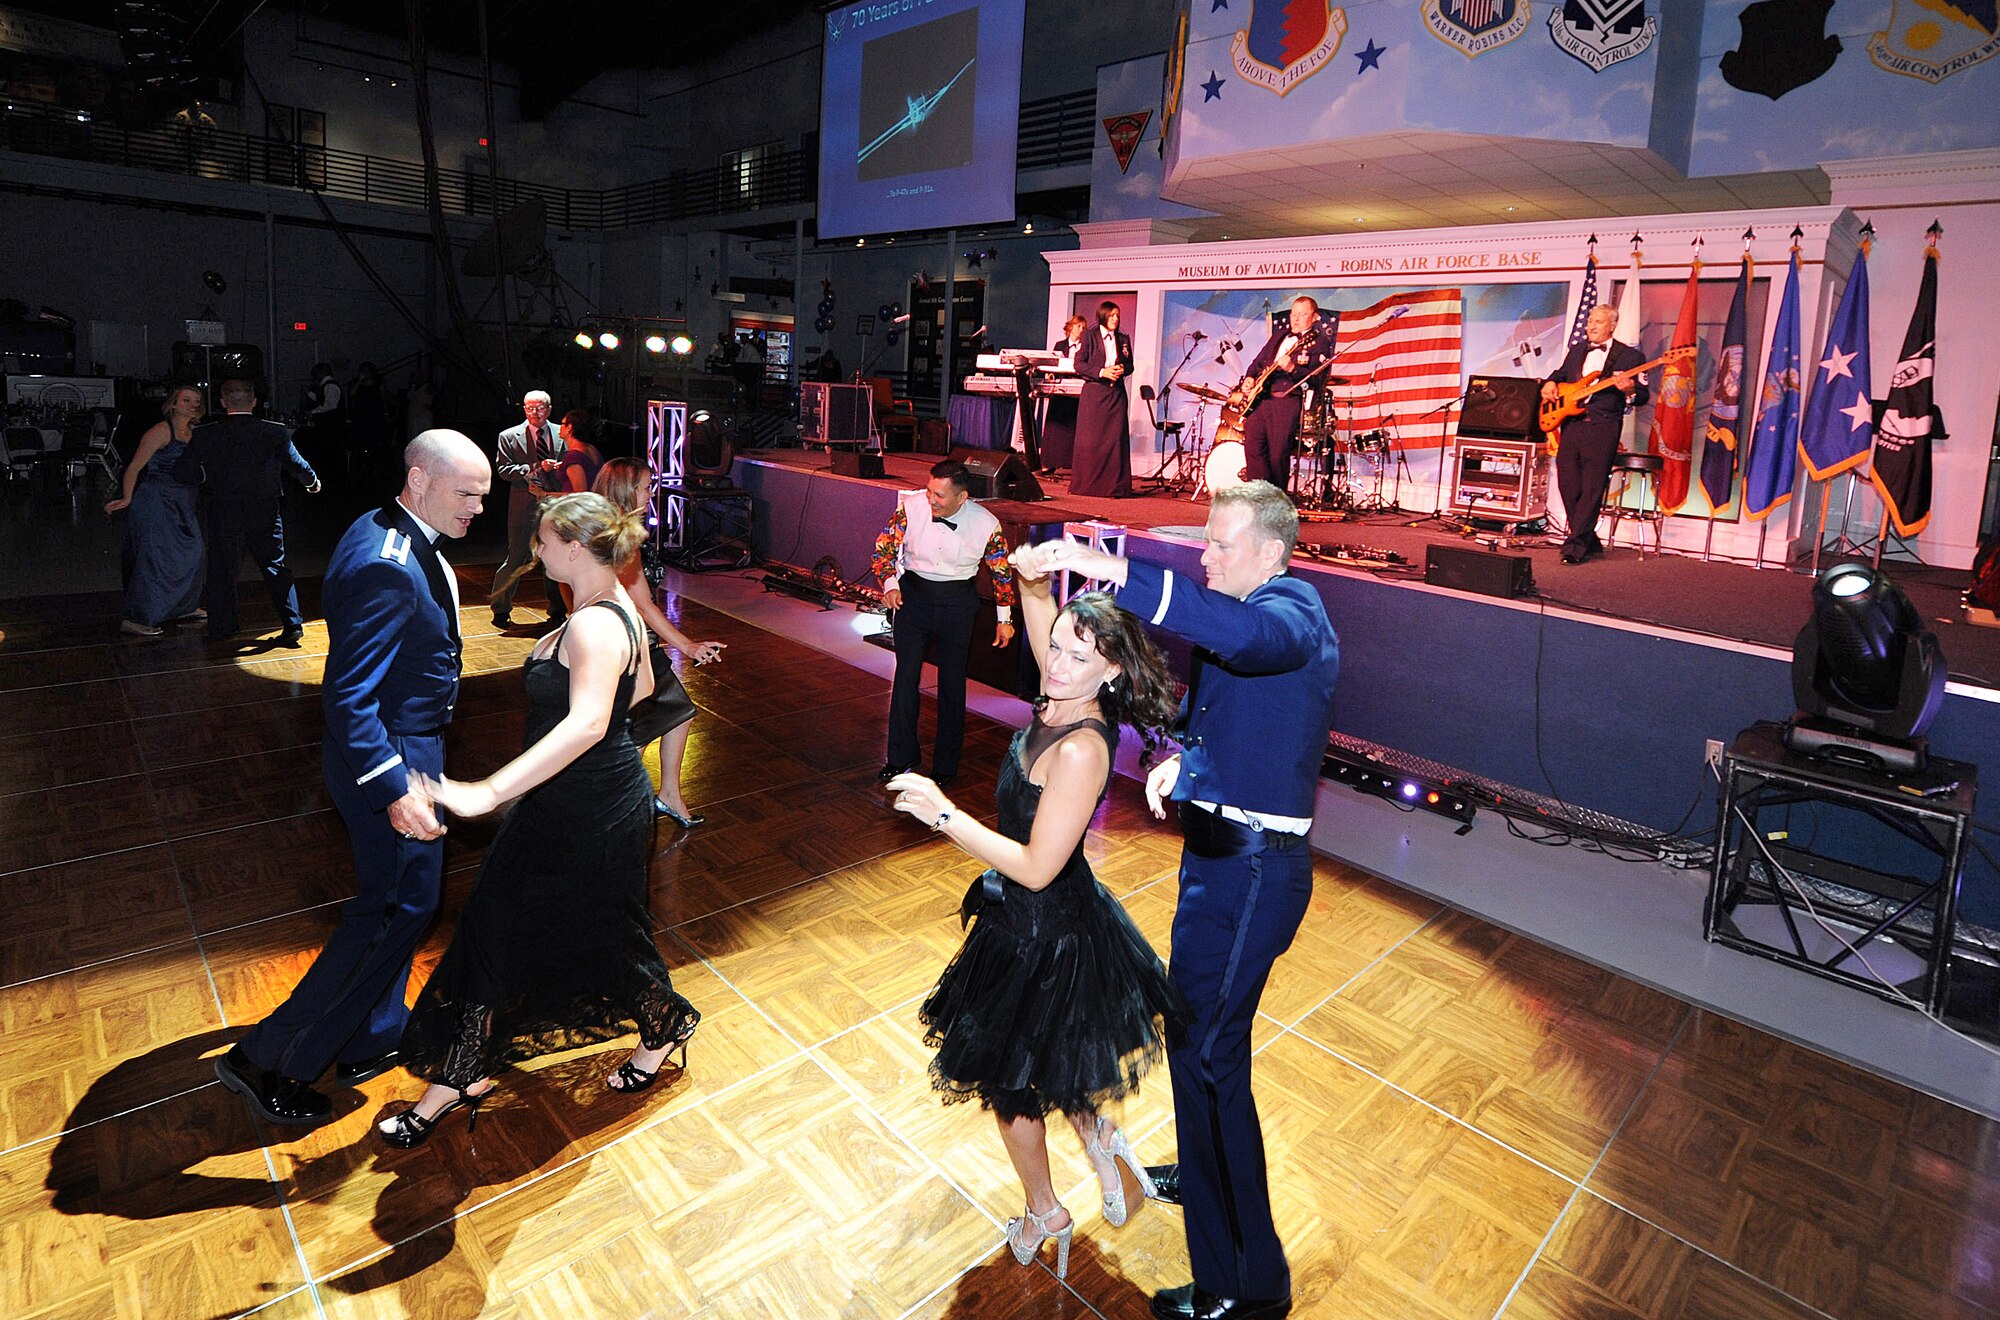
<point>1719,599</point>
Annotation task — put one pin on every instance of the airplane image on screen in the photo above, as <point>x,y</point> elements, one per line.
<point>920,108</point>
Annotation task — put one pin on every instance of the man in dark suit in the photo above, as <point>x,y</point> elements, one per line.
<point>1589,440</point>
<point>390,684</point>
<point>243,459</point>
<point>1102,461</point>
<point>1252,731</point>
<point>527,457</point>
<point>1273,422</point>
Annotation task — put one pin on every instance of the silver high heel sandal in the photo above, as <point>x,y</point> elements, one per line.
<point>1025,1251</point>
<point>1105,1157</point>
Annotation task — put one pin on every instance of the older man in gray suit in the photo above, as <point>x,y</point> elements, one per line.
<point>528,458</point>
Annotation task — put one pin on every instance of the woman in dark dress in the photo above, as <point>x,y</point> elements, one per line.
<point>1059,422</point>
<point>1103,464</point>
<point>554,948</point>
<point>165,525</point>
<point>580,461</point>
<point>669,714</point>
<point>1055,1001</point>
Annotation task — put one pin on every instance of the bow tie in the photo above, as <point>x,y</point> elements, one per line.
<point>946,522</point>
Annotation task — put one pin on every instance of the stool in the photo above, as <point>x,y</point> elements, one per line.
<point>1627,467</point>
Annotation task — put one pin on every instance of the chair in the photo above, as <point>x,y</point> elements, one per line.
<point>1626,468</point>
<point>20,451</point>
<point>895,418</point>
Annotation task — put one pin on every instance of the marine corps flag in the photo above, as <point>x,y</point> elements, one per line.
<point>1907,421</point>
<point>1725,411</point>
<point>1673,413</point>
<point>1773,465</point>
<point>1840,415</point>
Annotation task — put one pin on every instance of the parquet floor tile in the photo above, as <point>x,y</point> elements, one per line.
<point>63,916</point>
<point>1433,1088</point>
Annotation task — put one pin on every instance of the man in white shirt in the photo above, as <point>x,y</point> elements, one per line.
<point>927,559</point>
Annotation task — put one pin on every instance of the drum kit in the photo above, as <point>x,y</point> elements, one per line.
<point>1323,477</point>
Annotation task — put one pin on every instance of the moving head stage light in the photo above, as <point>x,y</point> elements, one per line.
<point>1867,675</point>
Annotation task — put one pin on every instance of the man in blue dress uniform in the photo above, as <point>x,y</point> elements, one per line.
<point>391,681</point>
<point>1253,733</point>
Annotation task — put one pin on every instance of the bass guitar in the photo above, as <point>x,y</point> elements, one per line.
<point>1570,395</point>
<point>1243,400</point>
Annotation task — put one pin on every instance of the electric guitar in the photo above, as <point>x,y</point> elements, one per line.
<point>1570,395</point>
<point>1243,400</point>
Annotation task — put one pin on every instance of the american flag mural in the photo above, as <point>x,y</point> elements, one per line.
<point>1400,358</point>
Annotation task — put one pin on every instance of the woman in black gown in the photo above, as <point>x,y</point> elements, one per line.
<point>554,948</point>
<point>1055,1001</point>
<point>1103,465</point>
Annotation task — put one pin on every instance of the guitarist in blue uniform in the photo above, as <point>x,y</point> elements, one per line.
<point>391,681</point>
<point>1273,420</point>
<point>1253,732</point>
<point>1589,440</point>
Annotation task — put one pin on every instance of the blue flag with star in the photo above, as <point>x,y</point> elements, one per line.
<point>1840,418</point>
<point>1772,468</point>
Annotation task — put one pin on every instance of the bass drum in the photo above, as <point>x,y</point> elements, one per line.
<point>1225,465</point>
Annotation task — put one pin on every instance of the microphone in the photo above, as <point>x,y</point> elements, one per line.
<point>1484,394</point>
<point>1197,336</point>
<point>977,333</point>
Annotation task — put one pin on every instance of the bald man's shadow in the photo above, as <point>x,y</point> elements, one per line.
<point>126,1153</point>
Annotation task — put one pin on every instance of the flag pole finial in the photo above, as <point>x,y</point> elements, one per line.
<point>1867,237</point>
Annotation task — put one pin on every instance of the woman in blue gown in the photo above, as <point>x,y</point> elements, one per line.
<point>165,526</point>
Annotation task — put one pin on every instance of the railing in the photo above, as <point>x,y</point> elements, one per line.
<point>1056,130</point>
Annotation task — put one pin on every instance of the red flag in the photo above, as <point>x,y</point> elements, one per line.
<point>1672,436</point>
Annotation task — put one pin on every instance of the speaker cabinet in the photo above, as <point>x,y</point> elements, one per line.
<point>857,463</point>
<point>998,474</point>
<point>1503,407</point>
<point>834,414</point>
<point>1481,571</point>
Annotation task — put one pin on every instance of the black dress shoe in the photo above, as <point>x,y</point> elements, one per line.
<point>1188,1302</point>
<point>888,772</point>
<point>503,620</point>
<point>1166,1182</point>
<point>366,1070</point>
<point>273,1098</point>
<point>1573,556</point>
<point>292,637</point>
<point>944,780</point>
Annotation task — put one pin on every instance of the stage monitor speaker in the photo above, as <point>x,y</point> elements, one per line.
<point>998,474</point>
<point>1506,576</point>
<point>1502,407</point>
<point>857,463</point>
<point>835,414</point>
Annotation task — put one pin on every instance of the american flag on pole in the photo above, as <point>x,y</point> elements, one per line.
<point>1400,358</point>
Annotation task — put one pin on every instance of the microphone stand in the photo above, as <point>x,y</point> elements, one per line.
<point>1167,402</point>
<point>1437,513</point>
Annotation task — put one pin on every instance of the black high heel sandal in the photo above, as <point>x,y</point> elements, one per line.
<point>631,1078</point>
<point>409,1129</point>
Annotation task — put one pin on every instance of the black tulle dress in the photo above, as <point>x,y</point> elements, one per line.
<point>553,949</point>
<point>1055,1001</point>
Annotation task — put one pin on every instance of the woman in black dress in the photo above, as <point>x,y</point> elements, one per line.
<point>1055,1001</point>
<point>554,948</point>
<point>1059,422</point>
<point>1103,435</point>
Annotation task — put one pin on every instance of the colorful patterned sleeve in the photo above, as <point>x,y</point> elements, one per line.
<point>1002,570</point>
<point>889,546</point>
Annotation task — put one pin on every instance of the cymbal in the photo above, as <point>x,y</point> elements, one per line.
<point>1208,392</point>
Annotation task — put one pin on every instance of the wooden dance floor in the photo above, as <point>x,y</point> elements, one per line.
<point>1460,1122</point>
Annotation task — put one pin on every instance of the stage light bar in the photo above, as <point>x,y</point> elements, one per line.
<point>656,343</point>
<point>681,345</point>
<point>607,341</point>
<point>1365,774</point>
<point>582,339</point>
